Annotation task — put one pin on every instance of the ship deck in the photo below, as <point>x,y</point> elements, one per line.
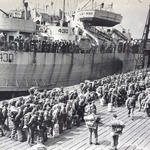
<point>136,135</point>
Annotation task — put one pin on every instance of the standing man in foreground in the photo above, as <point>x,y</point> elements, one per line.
<point>117,128</point>
<point>130,104</point>
<point>92,121</point>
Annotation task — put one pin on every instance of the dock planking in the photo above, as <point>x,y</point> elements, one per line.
<point>136,135</point>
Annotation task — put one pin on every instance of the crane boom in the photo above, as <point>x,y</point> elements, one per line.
<point>83,4</point>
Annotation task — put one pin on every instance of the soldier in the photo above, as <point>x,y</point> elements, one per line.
<point>42,136</point>
<point>64,115</point>
<point>93,107</point>
<point>5,115</point>
<point>130,104</point>
<point>117,128</point>
<point>140,98</point>
<point>1,123</point>
<point>50,122</point>
<point>32,126</point>
<point>92,122</point>
<point>44,94</point>
<point>114,97</point>
<point>147,105</point>
<point>15,124</point>
<point>60,119</point>
<point>19,120</point>
<point>81,109</point>
<point>75,112</point>
<point>69,115</point>
<point>66,97</point>
<point>74,95</point>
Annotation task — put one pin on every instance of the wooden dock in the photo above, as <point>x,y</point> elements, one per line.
<point>136,135</point>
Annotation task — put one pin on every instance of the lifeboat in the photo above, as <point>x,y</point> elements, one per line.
<point>99,18</point>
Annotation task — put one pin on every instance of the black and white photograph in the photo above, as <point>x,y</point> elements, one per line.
<point>74,74</point>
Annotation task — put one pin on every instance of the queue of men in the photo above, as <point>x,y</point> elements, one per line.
<point>45,114</point>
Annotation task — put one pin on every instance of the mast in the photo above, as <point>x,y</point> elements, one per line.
<point>145,40</point>
<point>144,52</point>
<point>92,4</point>
<point>146,30</point>
<point>63,17</point>
<point>25,4</point>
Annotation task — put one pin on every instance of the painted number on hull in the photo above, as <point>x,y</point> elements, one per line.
<point>6,57</point>
<point>63,31</point>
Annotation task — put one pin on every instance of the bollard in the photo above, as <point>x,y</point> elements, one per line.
<point>110,107</point>
<point>102,101</point>
<point>56,130</point>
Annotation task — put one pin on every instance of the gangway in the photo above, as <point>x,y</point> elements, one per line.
<point>119,34</point>
<point>99,34</point>
<point>85,31</point>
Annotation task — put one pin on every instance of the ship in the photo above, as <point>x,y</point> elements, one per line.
<point>22,69</point>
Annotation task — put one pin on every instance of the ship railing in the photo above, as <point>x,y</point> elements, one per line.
<point>123,47</point>
<point>19,83</point>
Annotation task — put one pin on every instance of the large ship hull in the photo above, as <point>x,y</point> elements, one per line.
<point>21,70</point>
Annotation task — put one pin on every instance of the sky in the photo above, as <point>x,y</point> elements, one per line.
<point>134,12</point>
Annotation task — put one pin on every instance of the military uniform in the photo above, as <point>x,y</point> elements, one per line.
<point>92,122</point>
<point>117,127</point>
<point>147,106</point>
<point>19,120</point>
<point>130,103</point>
<point>75,112</point>
<point>140,98</point>
<point>32,126</point>
<point>69,115</point>
<point>42,132</point>
<point>1,123</point>
<point>15,123</point>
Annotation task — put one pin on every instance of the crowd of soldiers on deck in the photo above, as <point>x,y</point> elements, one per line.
<point>47,114</point>
<point>132,46</point>
<point>34,45</point>
<point>43,114</point>
<point>56,46</point>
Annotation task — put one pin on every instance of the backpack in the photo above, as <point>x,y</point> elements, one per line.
<point>13,113</point>
<point>56,130</point>
<point>132,102</point>
<point>91,121</point>
<point>1,118</point>
<point>118,126</point>
<point>27,118</point>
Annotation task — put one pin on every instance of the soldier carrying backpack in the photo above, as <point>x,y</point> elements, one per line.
<point>1,123</point>
<point>130,104</point>
<point>117,128</point>
<point>92,122</point>
<point>147,106</point>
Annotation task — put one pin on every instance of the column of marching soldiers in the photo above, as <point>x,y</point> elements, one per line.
<point>43,115</point>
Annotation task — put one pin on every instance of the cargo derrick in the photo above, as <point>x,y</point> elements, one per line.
<point>143,60</point>
<point>92,17</point>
